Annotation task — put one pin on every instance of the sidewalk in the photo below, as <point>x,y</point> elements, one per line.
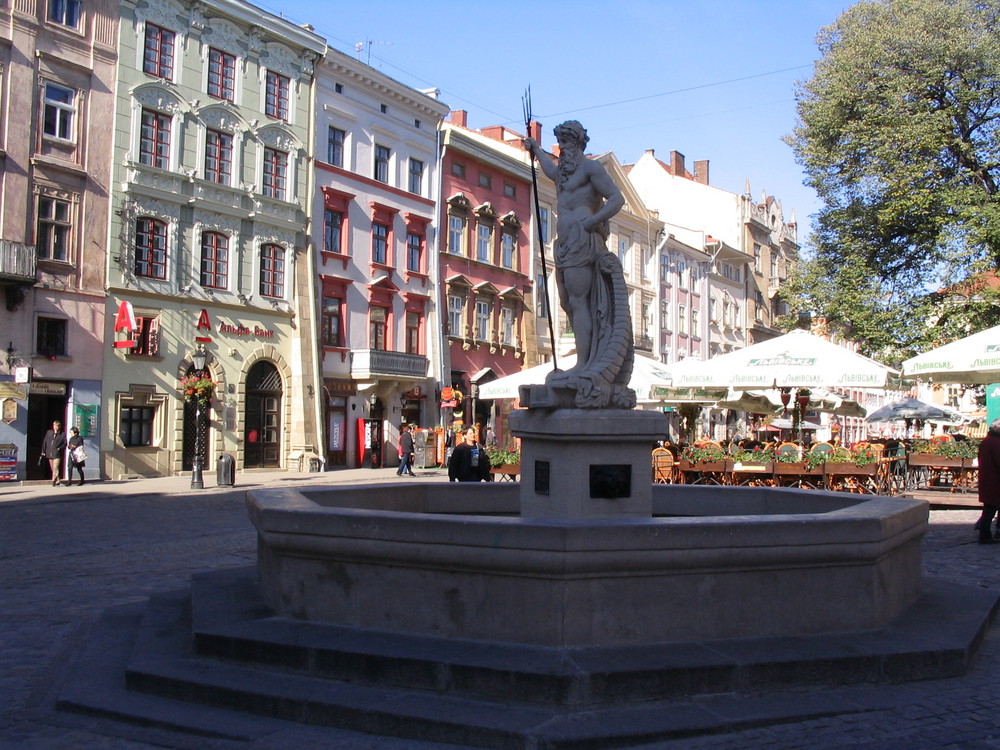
<point>181,485</point>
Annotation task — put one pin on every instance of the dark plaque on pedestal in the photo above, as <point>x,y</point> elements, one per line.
<point>610,481</point>
<point>542,477</point>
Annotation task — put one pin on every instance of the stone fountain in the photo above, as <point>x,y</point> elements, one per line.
<point>583,606</point>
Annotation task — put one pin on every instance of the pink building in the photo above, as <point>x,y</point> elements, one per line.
<point>57,78</point>
<point>485,264</point>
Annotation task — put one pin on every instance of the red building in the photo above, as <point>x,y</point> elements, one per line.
<point>485,259</point>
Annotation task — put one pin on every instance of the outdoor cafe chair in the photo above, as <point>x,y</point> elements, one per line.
<point>663,466</point>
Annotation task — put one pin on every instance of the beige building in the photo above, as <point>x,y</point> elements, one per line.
<point>57,77</point>
<point>208,247</point>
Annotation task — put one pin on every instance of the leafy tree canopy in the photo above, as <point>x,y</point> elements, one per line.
<point>899,133</point>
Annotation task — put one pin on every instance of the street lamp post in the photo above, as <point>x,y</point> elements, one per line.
<point>200,357</point>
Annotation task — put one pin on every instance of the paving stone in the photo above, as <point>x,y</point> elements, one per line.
<point>65,560</point>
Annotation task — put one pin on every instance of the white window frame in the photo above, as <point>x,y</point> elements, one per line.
<point>63,111</point>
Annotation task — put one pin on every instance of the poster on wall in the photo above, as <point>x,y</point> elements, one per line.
<point>8,462</point>
<point>337,432</point>
<point>10,410</point>
<point>85,418</point>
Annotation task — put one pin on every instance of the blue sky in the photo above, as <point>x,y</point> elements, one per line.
<point>713,79</point>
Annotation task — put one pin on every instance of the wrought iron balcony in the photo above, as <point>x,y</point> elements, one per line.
<point>368,363</point>
<point>18,262</point>
<point>643,342</point>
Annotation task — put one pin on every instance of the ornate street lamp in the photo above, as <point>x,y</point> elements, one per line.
<point>200,358</point>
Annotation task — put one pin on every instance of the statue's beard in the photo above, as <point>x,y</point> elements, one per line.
<point>569,160</point>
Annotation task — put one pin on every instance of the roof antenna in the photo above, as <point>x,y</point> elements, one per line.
<point>367,43</point>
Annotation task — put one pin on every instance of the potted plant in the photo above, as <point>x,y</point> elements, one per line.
<point>199,388</point>
<point>792,465</point>
<point>756,460</point>
<point>702,458</point>
<point>842,460</point>
<point>943,453</point>
<point>504,461</point>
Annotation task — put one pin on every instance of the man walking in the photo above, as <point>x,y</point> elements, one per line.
<point>405,451</point>
<point>54,448</point>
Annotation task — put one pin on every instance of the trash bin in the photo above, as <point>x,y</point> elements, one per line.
<point>225,470</point>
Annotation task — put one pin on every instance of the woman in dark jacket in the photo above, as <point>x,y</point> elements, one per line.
<point>989,481</point>
<point>74,442</point>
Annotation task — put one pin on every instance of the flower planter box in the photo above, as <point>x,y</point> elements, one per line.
<point>685,465</point>
<point>750,467</point>
<point>796,469</point>
<point>833,467</point>
<point>511,471</point>
<point>933,459</point>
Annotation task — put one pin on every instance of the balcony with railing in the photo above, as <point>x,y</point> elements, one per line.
<point>369,363</point>
<point>18,262</point>
<point>643,342</point>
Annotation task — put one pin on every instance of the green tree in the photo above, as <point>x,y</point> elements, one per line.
<point>899,133</point>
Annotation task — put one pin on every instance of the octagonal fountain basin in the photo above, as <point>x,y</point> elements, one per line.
<point>457,561</point>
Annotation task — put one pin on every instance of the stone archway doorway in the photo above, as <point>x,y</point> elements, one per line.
<point>262,423</point>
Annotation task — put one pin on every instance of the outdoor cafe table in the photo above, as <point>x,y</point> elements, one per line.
<point>840,477</point>
<point>933,470</point>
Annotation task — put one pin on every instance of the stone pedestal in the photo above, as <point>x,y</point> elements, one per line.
<point>586,463</point>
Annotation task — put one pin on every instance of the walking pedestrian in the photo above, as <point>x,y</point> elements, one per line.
<point>405,451</point>
<point>54,448</point>
<point>77,455</point>
<point>989,481</point>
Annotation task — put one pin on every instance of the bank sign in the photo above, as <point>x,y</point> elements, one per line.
<point>234,329</point>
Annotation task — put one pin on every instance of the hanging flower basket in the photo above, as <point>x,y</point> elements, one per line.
<point>199,388</point>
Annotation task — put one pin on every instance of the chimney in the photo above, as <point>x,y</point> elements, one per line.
<point>651,152</point>
<point>535,131</point>
<point>459,117</point>
<point>677,163</point>
<point>701,171</point>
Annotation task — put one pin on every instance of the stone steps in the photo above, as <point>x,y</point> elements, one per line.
<point>199,659</point>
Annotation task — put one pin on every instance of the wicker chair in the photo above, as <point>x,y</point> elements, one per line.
<point>663,466</point>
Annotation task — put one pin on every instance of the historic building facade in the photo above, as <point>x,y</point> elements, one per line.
<point>57,75</point>
<point>485,265</point>
<point>375,235</point>
<point>208,246</point>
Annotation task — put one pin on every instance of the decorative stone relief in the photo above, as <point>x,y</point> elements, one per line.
<point>273,236</point>
<point>206,221</point>
<point>158,98</point>
<point>280,59</point>
<point>160,12</point>
<point>218,195</point>
<point>225,36</point>
<point>219,116</point>
<point>276,137</point>
<point>307,63</point>
<point>169,212</point>
<point>255,39</point>
<point>196,18</point>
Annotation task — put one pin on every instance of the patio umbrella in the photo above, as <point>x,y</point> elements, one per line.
<point>912,408</point>
<point>795,360</point>
<point>973,359</point>
<point>647,376</point>
<point>769,401</point>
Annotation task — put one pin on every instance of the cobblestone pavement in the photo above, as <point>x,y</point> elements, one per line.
<point>63,561</point>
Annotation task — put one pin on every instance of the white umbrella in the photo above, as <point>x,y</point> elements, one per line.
<point>973,359</point>
<point>912,408</point>
<point>648,377</point>
<point>795,360</point>
<point>820,399</point>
